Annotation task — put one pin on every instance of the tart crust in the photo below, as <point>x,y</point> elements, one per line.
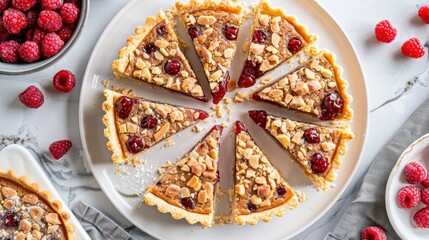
<point>46,197</point>
<point>231,6</point>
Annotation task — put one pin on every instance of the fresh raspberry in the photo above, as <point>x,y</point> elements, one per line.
<point>4,34</point>
<point>413,48</point>
<point>14,20</point>
<point>51,4</point>
<point>421,218</point>
<point>373,233</point>
<point>59,148</point>
<point>425,196</point>
<point>414,173</point>
<point>64,81</point>
<point>38,35</point>
<point>385,32</point>
<point>425,182</point>
<point>9,51</point>
<point>51,44</point>
<point>409,196</point>
<point>23,5</point>
<point>75,2</point>
<point>32,18</point>
<point>29,51</point>
<point>32,97</point>
<point>424,13</point>
<point>4,4</point>
<point>69,12</point>
<point>65,33</point>
<point>50,20</point>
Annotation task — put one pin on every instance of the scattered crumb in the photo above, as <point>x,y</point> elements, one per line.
<point>220,192</point>
<point>207,120</point>
<point>246,46</point>
<point>227,100</point>
<point>118,170</point>
<point>265,81</point>
<point>218,110</point>
<point>302,60</point>
<point>239,97</point>
<point>169,142</point>
<point>301,196</point>
<point>224,124</point>
<point>222,219</point>
<point>197,129</point>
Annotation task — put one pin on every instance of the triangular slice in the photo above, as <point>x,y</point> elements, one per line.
<point>187,189</point>
<point>133,124</point>
<point>213,27</point>
<point>316,88</point>
<point>276,37</point>
<point>153,55</point>
<point>260,192</point>
<point>318,149</point>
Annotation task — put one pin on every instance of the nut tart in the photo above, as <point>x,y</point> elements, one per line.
<point>133,124</point>
<point>153,56</point>
<point>187,189</point>
<point>316,88</point>
<point>260,192</point>
<point>213,27</point>
<point>317,149</point>
<point>26,212</point>
<point>276,38</point>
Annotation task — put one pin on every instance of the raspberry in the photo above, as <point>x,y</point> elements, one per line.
<point>38,35</point>
<point>4,4</point>
<point>421,218</point>
<point>425,182</point>
<point>65,33</point>
<point>413,48</point>
<point>409,196</point>
<point>50,20</point>
<point>9,51</point>
<point>385,32</point>
<point>32,97</point>
<point>51,44</point>
<point>14,20</point>
<point>23,5</point>
<point>414,173</point>
<point>32,18</point>
<point>424,13</point>
<point>59,148</point>
<point>64,81</point>
<point>425,196</point>
<point>29,51</point>
<point>4,34</point>
<point>51,4</point>
<point>69,12</point>
<point>75,2</point>
<point>373,233</point>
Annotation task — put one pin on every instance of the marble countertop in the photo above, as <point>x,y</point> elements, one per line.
<point>396,86</point>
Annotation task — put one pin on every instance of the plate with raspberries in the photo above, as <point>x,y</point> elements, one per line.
<point>407,192</point>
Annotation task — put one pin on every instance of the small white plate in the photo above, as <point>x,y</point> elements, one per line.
<point>19,159</point>
<point>401,218</point>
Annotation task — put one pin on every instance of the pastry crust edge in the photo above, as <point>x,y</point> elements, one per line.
<point>231,6</point>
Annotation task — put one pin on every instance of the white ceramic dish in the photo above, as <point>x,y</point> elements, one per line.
<point>120,188</point>
<point>18,158</point>
<point>400,218</point>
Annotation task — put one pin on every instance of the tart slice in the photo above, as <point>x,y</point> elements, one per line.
<point>187,189</point>
<point>136,124</point>
<point>28,213</point>
<point>317,149</point>
<point>316,88</point>
<point>260,190</point>
<point>276,37</point>
<point>213,27</point>
<point>153,56</point>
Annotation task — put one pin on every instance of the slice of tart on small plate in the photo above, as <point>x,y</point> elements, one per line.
<point>260,192</point>
<point>213,27</point>
<point>276,38</point>
<point>187,189</point>
<point>153,55</point>
<point>134,124</point>
<point>317,149</point>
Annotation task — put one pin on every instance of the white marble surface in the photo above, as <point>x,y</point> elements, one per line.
<point>387,72</point>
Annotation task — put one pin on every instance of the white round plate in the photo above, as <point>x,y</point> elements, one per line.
<point>401,218</point>
<point>120,188</point>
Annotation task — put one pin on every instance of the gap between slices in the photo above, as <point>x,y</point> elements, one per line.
<point>187,189</point>
<point>134,124</point>
<point>260,192</point>
<point>317,149</point>
<point>276,38</point>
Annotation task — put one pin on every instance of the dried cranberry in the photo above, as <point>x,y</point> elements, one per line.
<point>161,30</point>
<point>172,66</point>
<point>259,117</point>
<point>280,190</point>
<point>135,144</point>
<point>149,48</point>
<point>202,115</point>
<point>193,31</point>
<point>188,203</point>
<point>259,36</point>
<point>255,96</point>
<point>246,81</point>
<point>311,135</point>
<point>230,31</point>
<point>252,207</point>
<point>148,122</point>
<point>123,106</point>
<point>10,219</point>
<point>218,96</point>
<point>332,106</point>
<point>239,126</point>
<point>217,179</point>
<point>319,163</point>
<point>294,45</point>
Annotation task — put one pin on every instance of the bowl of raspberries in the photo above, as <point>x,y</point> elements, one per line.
<point>36,33</point>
